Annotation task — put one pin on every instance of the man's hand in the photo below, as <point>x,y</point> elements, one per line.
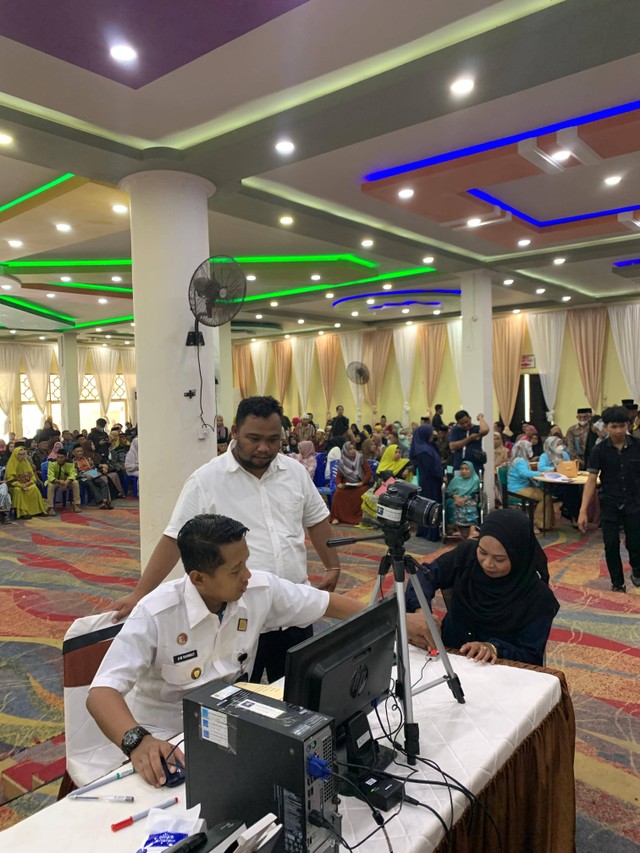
<point>479,652</point>
<point>123,606</point>
<point>146,759</point>
<point>582,521</point>
<point>475,436</point>
<point>329,580</point>
<point>419,633</point>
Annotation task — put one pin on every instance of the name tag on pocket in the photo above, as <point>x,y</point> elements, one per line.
<point>185,656</point>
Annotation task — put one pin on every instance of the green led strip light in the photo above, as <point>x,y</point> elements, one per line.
<point>114,321</point>
<point>70,285</point>
<point>32,308</point>
<point>37,191</point>
<point>25,266</point>
<point>316,287</point>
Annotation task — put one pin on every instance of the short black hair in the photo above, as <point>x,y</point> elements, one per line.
<point>461,414</point>
<point>438,407</point>
<point>259,407</point>
<point>615,415</point>
<point>61,452</point>
<point>101,422</point>
<point>199,541</point>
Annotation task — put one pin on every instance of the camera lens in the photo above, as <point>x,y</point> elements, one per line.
<point>424,512</point>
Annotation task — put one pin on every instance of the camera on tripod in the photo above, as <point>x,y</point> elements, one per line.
<point>402,503</point>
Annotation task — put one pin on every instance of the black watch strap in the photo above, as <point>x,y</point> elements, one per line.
<point>132,738</point>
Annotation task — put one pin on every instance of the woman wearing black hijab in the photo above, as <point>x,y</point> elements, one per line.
<point>501,605</point>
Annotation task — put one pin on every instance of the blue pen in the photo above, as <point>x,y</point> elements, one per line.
<point>122,774</point>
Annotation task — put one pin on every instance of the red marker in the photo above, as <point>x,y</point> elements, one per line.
<point>128,821</point>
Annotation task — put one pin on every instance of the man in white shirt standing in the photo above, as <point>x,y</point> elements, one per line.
<point>269,493</point>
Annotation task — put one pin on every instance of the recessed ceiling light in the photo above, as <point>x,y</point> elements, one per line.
<point>405,193</point>
<point>437,311</point>
<point>41,338</point>
<point>123,53</point>
<point>507,282</point>
<point>462,86</point>
<point>120,208</point>
<point>300,322</point>
<point>15,244</point>
<point>409,323</point>
<point>540,291</point>
<point>286,220</point>
<point>65,278</point>
<point>405,311</point>
<point>104,345</point>
<point>428,259</point>
<point>371,301</point>
<point>51,296</point>
<point>98,330</point>
<point>558,261</point>
<point>561,155</point>
<point>253,340</point>
<point>102,301</point>
<point>127,342</point>
<point>6,286</point>
<point>285,146</point>
<point>366,243</point>
<point>321,332</point>
<point>516,310</point>
<point>287,336</point>
<point>5,139</point>
<point>566,298</point>
<point>258,316</point>
<point>273,304</point>
<point>108,337</point>
<point>12,331</point>
<point>613,180</point>
<point>328,296</point>
<point>251,278</point>
<point>63,226</point>
<point>316,277</point>
<point>133,325</point>
<point>354,313</point>
<point>387,286</point>
<point>524,243</point>
<point>116,278</point>
<point>474,222</point>
<point>336,325</point>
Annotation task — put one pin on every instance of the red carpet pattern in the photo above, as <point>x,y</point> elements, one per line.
<point>52,570</point>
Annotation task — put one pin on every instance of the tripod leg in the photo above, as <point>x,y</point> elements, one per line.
<point>452,679</point>
<point>375,595</point>
<point>403,681</point>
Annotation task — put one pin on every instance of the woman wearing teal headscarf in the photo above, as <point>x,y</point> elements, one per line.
<point>462,499</point>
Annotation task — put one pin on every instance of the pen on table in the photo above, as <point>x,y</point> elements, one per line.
<point>122,774</point>
<point>116,798</point>
<point>128,821</point>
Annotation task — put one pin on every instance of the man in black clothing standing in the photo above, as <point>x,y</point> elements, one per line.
<point>437,422</point>
<point>617,459</point>
<point>340,423</point>
<point>100,438</point>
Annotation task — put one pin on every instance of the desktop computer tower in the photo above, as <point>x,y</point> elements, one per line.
<point>246,755</point>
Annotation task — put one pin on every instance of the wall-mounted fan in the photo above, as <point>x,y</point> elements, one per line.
<point>358,372</point>
<point>217,291</point>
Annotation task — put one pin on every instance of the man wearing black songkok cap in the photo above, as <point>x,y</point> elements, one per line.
<point>576,437</point>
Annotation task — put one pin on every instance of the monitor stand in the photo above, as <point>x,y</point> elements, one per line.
<point>356,748</point>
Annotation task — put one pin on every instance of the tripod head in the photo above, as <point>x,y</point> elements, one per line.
<point>394,539</point>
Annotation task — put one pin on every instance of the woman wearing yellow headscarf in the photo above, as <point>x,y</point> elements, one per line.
<point>21,479</point>
<point>393,461</point>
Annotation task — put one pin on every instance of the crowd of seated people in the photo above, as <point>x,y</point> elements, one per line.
<point>33,471</point>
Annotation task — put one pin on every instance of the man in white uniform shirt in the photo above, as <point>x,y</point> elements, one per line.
<point>274,497</point>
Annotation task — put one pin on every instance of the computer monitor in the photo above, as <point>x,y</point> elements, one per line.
<point>342,672</point>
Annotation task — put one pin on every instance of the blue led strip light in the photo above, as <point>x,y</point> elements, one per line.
<point>388,294</point>
<point>398,304</point>
<point>630,263</point>
<point>499,143</point>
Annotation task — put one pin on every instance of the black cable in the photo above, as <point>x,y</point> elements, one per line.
<point>413,802</point>
<point>361,795</point>
<point>202,420</point>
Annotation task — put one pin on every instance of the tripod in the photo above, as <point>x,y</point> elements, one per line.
<point>403,563</point>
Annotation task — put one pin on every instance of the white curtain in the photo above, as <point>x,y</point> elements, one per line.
<point>261,359</point>
<point>352,344</point>
<point>404,343</point>
<point>454,333</point>
<point>303,350</point>
<point>105,367</point>
<point>9,367</point>
<point>625,320</point>
<point>83,352</point>
<point>547,333</point>
<point>37,363</point>
<point>128,364</point>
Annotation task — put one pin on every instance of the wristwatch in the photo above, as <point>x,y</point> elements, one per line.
<point>132,738</point>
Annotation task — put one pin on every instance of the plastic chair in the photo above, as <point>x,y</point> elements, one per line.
<point>89,752</point>
<point>44,470</point>
<point>373,464</point>
<point>328,491</point>
<point>319,478</point>
<point>512,499</point>
<point>130,480</point>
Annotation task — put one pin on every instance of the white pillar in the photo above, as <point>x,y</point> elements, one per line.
<point>69,381</point>
<point>224,374</point>
<point>477,358</point>
<point>169,240</point>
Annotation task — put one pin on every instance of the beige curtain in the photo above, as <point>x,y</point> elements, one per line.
<point>375,354</point>
<point>508,335</point>
<point>433,339</point>
<point>128,364</point>
<point>588,327</point>
<point>328,349</point>
<point>242,366</point>
<point>282,366</point>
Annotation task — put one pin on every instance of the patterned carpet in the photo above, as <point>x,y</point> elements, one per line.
<point>53,570</point>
